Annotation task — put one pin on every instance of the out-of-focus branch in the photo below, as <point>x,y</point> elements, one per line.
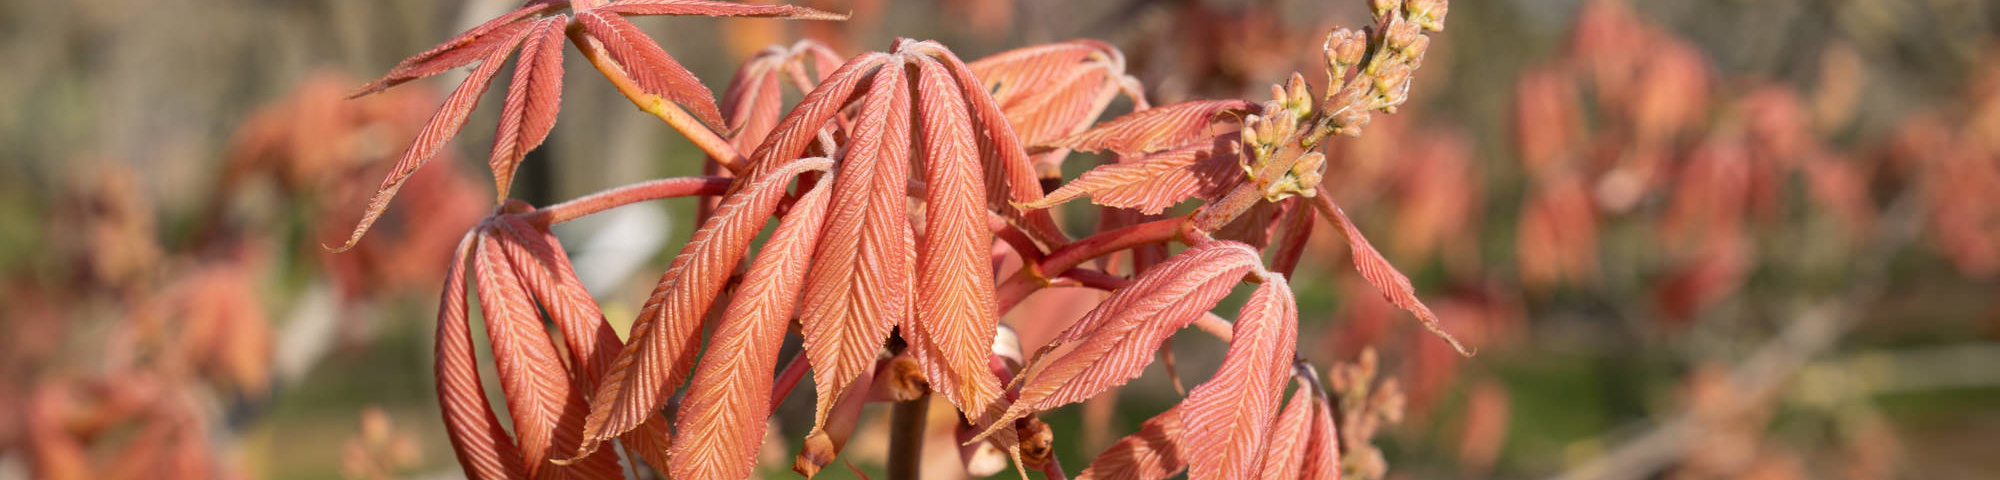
<point>1810,333</point>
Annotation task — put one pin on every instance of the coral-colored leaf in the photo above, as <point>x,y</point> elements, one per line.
<point>540,398</point>
<point>482,445</point>
<point>860,281</point>
<point>1117,339</point>
<point>803,124</point>
<point>1394,286</point>
<point>1048,90</point>
<point>1152,183</point>
<point>1322,458</point>
<point>1154,453</point>
<point>1010,175</point>
<point>465,48</point>
<point>1158,128</point>
<point>709,8</point>
<point>753,101</point>
<point>545,269</point>
<point>1229,417</point>
<point>665,338</point>
<point>1285,445</point>
<point>956,316</point>
<point>532,100</point>
<point>650,66</point>
<point>443,125</point>
<point>722,418</point>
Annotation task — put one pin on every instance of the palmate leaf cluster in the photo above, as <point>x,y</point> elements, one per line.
<point>898,186</point>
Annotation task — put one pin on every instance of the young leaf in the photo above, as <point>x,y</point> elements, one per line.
<point>1118,338</point>
<point>481,444</point>
<point>1322,457</point>
<point>1158,128</point>
<point>1230,415</point>
<point>1154,453</point>
<point>1286,443</point>
<point>708,8</point>
<point>860,281</point>
<point>722,418</point>
<point>956,316</point>
<point>1152,183</point>
<point>1010,175</point>
<point>665,338</point>
<point>443,125</point>
<point>532,100</point>
<point>545,269</point>
<point>1049,90</point>
<point>1373,267</point>
<point>803,124</point>
<point>465,48</point>
<point>650,66</point>
<point>546,410</point>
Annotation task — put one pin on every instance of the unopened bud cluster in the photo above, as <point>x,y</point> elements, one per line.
<point>1387,55</point>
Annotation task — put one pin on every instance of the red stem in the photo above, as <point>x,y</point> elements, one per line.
<point>626,195</point>
<point>1034,276</point>
<point>795,371</point>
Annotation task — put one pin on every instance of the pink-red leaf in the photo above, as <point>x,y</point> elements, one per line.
<point>803,124</point>
<point>1048,90</point>
<point>481,444</point>
<point>1154,453</point>
<point>708,8</point>
<point>665,338</point>
<point>1118,338</point>
<point>532,100</point>
<point>1010,175</point>
<point>1152,183</point>
<point>1229,416</point>
<point>1394,286</point>
<point>1322,460</point>
<point>465,48</point>
<point>722,418</point>
<point>1286,443</point>
<point>540,398</point>
<point>1156,129</point>
<point>956,315</point>
<point>650,66</point>
<point>860,280</point>
<point>443,125</point>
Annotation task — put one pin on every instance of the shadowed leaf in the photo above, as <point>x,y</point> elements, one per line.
<point>1322,456</point>
<point>1010,175</point>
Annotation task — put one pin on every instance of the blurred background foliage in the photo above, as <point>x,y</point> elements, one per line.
<point>1693,239</point>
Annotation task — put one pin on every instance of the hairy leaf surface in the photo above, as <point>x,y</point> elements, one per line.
<point>465,48</point>
<point>709,8</point>
<point>1118,338</point>
<point>1152,183</point>
<point>665,338</point>
<point>860,281</point>
<point>481,444</point>
<point>650,66</point>
<point>722,419</point>
<point>1230,415</point>
<point>545,409</point>
<point>1285,450</point>
<point>956,315</point>
<point>1154,453</point>
<point>532,100</point>
<point>1157,128</point>
<point>1376,269</point>
<point>449,119</point>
